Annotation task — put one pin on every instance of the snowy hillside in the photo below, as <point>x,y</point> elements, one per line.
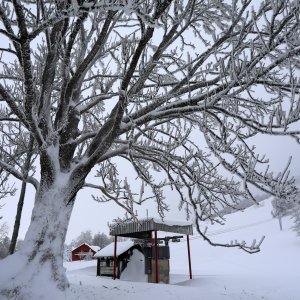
<point>218,273</point>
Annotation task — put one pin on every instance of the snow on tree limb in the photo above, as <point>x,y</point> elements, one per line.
<point>18,175</point>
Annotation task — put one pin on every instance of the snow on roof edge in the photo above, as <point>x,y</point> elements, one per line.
<point>109,249</point>
<point>170,222</point>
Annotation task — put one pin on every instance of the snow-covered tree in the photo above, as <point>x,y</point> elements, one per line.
<point>6,189</point>
<point>3,231</point>
<point>4,240</point>
<point>101,240</point>
<point>84,237</point>
<point>282,208</point>
<point>67,253</point>
<point>287,207</point>
<point>4,247</point>
<point>176,88</point>
<point>296,217</point>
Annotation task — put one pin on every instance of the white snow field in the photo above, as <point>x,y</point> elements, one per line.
<point>218,273</point>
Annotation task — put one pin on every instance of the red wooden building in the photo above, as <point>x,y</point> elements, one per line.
<point>84,252</point>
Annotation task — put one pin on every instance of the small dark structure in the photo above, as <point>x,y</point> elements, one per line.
<point>84,252</point>
<point>105,258</point>
<point>156,256</point>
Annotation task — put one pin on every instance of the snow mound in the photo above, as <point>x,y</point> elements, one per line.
<point>80,264</point>
<point>135,270</point>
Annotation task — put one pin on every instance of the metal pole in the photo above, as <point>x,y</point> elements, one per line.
<point>115,257</point>
<point>156,256</point>
<point>189,255</point>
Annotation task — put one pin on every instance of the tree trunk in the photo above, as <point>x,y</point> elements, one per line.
<point>280,222</point>
<point>38,266</point>
<point>15,234</point>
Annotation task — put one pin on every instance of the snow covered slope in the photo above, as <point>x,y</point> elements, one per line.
<point>274,273</point>
<point>219,273</point>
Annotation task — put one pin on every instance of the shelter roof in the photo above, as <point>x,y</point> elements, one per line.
<point>144,227</point>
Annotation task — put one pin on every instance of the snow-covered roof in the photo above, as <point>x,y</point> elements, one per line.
<point>171,222</point>
<point>94,248</point>
<point>109,249</point>
<point>133,229</point>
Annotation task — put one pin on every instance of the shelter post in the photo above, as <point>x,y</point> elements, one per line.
<point>98,267</point>
<point>115,257</point>
<point>189,255</point>
<point>156,256</point>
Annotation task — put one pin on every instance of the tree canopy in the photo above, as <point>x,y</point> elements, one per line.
<point>141,80</point>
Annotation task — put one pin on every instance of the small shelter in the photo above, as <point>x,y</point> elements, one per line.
<point>156,256</point>
<point>84,252</point>
<point>105,258</point>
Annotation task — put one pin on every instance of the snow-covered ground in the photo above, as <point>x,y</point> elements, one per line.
<point>218,273</point>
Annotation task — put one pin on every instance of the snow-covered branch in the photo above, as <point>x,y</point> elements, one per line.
<point>9,169</point>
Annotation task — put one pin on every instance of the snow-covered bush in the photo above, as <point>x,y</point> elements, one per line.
<point>296,217</point>
<point>4,240</point>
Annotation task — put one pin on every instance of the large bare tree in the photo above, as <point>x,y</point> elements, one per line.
<point>177,88</point>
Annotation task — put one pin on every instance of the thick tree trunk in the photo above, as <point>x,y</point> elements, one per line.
<point>36,270</point>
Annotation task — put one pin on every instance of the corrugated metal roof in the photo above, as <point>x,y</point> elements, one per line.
<point>132,228</point>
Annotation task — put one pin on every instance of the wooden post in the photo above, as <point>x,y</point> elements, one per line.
<point>98,267</point>
<point>189,255</point>
<point>115,257</point>
<point>156,256</point>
